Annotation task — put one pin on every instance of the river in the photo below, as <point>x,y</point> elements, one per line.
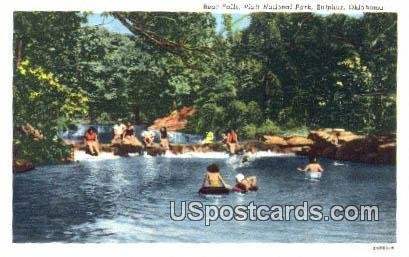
<point>126,200</point>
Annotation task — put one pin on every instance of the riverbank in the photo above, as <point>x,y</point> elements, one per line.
<point>336,144</point>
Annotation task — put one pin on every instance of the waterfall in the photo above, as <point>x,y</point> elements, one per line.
<point>105,134</point>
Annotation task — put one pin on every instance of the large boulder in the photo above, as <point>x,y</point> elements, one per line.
<point>354,149</point>
<point>299,141</point>
<point>323,137</point>
<point>22,166</point>
<point>348,136</point>
<point>386,153</point>
<point>344,145</point>
<point>275,140</point>
<point>155,150</point>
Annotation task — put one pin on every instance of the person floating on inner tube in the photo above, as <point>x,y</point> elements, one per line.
<point>213,177</point>
<point>313,166</point>
<point>244,184</point>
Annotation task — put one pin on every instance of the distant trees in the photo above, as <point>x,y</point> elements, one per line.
<point>285,71</point>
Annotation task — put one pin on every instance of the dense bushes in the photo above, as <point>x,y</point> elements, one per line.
<point>284,73</point>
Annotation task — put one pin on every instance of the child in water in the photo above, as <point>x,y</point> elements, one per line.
<point>213,177</point>
<point>246,183</point>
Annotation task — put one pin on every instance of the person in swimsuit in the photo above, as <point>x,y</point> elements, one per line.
<point>148,138</point>
<point>118,132</point>
<point>232,141</point>
<point>128,135</point>
<point>313,166</point>
<point>164,139</point>
<point>246,183</point>
<point>91,141</point>
<point>213,177</point>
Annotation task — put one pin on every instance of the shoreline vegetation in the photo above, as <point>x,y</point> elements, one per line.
<point>280,75</point>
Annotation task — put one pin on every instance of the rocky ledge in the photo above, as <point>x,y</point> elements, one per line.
<point>336,144</point>
<point>20,166</point>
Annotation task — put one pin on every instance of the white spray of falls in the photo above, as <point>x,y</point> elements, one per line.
<point>82,156</point>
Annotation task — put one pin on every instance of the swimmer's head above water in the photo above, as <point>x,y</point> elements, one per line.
<point>213,168</point>
<point>239,177</point>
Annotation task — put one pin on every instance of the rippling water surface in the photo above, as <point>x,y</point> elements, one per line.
<point>128,199</point>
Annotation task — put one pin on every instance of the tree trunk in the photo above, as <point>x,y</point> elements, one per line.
<point>19,52</point>
<point>137,114</point>
<point>267,99</point>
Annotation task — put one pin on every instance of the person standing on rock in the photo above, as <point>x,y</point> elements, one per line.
<point>232,141</point>
<point>164,138</point>
<point>91,141</point>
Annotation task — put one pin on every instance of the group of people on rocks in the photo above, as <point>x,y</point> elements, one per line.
<point>230,140</point>
<point>124,135</point>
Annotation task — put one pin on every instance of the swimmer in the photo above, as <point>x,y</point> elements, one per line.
<point>246,183</point>
<point>313,166</point>
<point>247,157</point>
<point>213,177</point>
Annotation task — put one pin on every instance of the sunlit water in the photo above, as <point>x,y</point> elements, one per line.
<point>113,199</point>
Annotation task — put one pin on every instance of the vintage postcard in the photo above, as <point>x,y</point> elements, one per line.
<point>224,123</point>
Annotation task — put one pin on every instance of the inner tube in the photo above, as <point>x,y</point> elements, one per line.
<point>240,189</point>
<point>214,190</point>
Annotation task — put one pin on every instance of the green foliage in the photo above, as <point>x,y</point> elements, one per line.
<point>46,104</point>
<point>300,70</point>
<point>44,91</point>
<point>248,131</point>
<point>268,127</point>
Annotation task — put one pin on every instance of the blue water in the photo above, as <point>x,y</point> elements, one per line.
<point>128,199</point>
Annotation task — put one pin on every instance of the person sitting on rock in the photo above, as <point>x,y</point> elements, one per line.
<point>213,177</point>
<point>128,135</point>
<point>246,183</point>
<point>224,138</point>
<point>209,139</point>
<point>232,141</point>
<point>148,138</point>
<point>164,139</point>
<point>118,132</point>
<point>91,141</point>
<point>313,166</point>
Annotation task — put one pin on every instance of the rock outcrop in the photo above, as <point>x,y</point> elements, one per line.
<point>344,145</point>
<point>299,141</point>
<point>275,140</point>
<point>335,144</point>
<point>20,166</point>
